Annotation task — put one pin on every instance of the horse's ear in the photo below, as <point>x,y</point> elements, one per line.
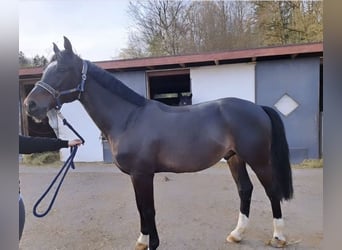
<point>57,51</point>
<point>67,45</point>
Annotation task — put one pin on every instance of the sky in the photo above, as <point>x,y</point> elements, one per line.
<point>97,30</point>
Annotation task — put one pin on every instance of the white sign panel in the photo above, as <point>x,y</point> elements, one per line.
<point>76,115</point>
<point>214,82</point>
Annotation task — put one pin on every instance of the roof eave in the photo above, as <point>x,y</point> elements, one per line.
<point>183,61</point>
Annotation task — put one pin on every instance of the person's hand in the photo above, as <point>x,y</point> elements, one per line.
<point>75,142</point>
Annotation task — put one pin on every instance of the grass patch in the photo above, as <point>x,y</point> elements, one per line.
<point>310,163</point>
<point>41,158</point>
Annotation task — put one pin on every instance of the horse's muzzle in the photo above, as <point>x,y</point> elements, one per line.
<point>34,111</point>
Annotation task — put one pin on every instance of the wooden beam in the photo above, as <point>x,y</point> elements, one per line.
<point>168,72</point>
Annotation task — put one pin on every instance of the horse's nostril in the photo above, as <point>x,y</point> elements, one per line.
<point>32,105</point>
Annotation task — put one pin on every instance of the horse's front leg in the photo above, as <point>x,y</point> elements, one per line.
<point>143,188</point>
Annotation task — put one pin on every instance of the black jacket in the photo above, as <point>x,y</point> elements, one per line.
<point>29,145</point>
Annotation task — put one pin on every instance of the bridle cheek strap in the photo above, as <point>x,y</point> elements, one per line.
<point>57,94</point>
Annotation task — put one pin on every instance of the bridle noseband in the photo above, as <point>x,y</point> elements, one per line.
<point>56,94</point>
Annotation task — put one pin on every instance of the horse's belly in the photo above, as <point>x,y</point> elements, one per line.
<point>189,160</point>
<point>186,166</point>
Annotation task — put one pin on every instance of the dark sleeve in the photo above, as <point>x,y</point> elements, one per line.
<point>29,145</point>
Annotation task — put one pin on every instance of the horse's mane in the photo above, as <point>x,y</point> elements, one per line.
<point>114,85</point>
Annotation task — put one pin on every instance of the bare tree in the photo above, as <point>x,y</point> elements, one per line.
<point>23,60</point>
<point>161,25</point>
<point>165,27</point>
<point>39,61</point>
<point>135,48</point>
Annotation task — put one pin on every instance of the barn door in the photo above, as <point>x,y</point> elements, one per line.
<point>292,87</point>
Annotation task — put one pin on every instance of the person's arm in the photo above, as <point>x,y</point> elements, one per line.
<point>29,145</point>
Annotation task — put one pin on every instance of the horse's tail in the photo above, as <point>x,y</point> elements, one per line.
<point>282,176</point>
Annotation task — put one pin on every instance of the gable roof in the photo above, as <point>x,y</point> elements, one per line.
<point>202,59</point>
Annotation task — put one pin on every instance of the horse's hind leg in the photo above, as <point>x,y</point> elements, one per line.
<point>264,174</point>
<point>143,188</point>
<point>244,185</point>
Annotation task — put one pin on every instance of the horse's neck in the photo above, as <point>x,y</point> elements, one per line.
<point>109,112</point>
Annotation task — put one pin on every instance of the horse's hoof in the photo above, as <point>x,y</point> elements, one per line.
<point>141,246</point>
<point>277,243</point>
<point>233,239</point>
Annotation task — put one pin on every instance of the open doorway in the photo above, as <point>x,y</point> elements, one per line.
<point>168,86</point>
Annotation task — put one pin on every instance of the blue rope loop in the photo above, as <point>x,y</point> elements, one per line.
<point>65,168</point>
<point>69,163</point>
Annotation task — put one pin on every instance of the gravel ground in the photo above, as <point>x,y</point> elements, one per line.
<point>96,209</point>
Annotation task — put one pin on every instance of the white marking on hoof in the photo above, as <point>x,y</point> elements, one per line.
<point>278,225</point>
<point>236,235</point>
<point>232,238</point>
<point>142,242</point>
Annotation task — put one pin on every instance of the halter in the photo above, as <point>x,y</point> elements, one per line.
<point>57,94</point>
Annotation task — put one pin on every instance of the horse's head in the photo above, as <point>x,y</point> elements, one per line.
<point>62,81</point>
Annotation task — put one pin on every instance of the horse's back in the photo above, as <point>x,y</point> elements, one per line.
<point>233,117</point>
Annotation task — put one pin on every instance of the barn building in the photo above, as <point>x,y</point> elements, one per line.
<point>288,78</point>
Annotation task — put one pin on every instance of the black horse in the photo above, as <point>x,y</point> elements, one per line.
<point>147,137</point>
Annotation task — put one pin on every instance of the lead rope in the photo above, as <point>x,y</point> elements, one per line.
<point>67,164</point>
